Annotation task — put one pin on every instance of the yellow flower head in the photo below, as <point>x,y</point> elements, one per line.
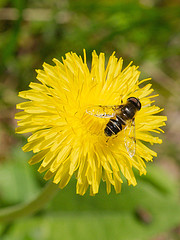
<point>68,112</point>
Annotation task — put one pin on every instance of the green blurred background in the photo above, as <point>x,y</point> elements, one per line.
<point>145,31</point>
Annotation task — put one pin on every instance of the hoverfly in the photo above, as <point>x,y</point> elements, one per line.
<point>122,117</point>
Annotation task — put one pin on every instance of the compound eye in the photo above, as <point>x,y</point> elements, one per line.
<point>135,101</point>
<point>139,105</point>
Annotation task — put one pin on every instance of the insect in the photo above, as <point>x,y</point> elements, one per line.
<point>122,117</point>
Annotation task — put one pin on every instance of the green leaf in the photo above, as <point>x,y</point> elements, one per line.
<point>17,181</point>
<point>114,216</point>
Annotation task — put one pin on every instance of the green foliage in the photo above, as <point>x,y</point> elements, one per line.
<point>17,181</point>
<point>137,213</point>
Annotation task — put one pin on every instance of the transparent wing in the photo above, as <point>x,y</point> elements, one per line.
<point>103,111</point>
<point>130,138</point>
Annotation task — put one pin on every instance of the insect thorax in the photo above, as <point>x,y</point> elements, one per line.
<point>128,111</point>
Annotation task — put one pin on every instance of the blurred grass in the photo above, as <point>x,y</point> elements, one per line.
<point>137,213</point>
<point>146,32</point>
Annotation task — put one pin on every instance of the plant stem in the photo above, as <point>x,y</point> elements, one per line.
<point>24,209</point>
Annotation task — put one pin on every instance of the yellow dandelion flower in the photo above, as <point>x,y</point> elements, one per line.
<point>68,111</point>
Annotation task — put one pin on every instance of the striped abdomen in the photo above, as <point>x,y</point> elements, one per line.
<point>114,126</point>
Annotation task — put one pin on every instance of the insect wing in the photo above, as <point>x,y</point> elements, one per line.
<point>130,138</point>
<point>103,111</point>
